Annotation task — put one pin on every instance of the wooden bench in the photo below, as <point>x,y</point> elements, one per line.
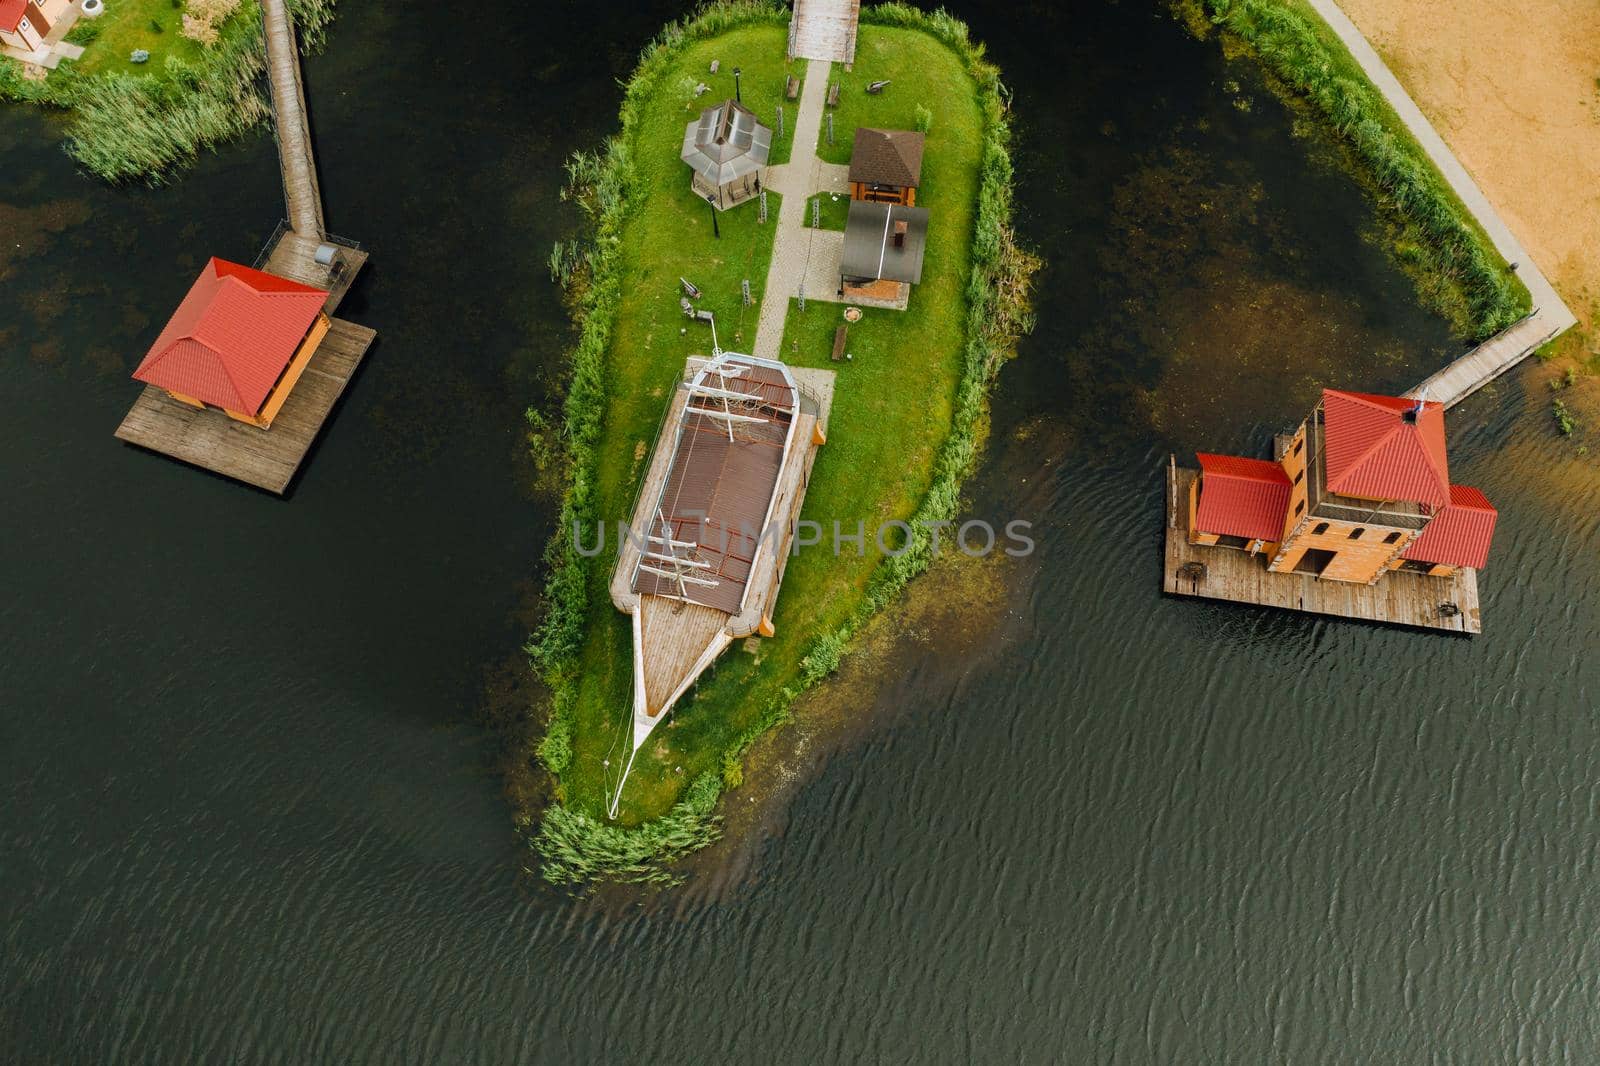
<point>833,95</point>
<point>793,87</point>
<point>839,336</point>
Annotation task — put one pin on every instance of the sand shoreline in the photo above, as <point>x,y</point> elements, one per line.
<point>1514,92</point>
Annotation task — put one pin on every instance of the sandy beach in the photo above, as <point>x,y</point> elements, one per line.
<point>1515,90</point>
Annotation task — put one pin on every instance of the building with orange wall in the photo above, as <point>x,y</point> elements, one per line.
<point>886,166</point>
<point>1360,489</point>
<point>238,342</point>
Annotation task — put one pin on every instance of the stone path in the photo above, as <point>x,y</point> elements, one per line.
<point>800,253</point>
<point>1550,316</point>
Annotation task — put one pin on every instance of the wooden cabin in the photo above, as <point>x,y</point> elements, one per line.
<point>1361,488</point>
<point>238,342</point>
<point>886,166</point>
<point>24,24</point>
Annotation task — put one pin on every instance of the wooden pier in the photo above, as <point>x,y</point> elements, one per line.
<point>265,458</point>
<point>1492,358</point>
<point>825,30</point>
<point>269,457</point>
<point>1399,597</point>
<point>301,195</point>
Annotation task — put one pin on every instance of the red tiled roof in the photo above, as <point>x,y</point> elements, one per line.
<point>232,336</point>
<point>11,12</point>
<point>1241,497</point>
<point>1459,534</point>
<point>1374,451</point>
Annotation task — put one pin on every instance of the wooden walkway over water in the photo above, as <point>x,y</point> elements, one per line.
<point>1550,316</point>
<point>301,195</point>
<point>1489,360</point>
<point>269,458</point>
<point>824,29</point>
<point>1399,597</point>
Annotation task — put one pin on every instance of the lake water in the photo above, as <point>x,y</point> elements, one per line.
<point>250,812</point>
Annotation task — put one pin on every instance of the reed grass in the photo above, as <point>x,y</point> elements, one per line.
<point>143,127</point>
<point>1457,269</point>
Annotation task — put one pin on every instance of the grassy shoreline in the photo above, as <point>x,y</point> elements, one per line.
<point>142,123</point>
<point>1436,240</point>
<point>582,652</point>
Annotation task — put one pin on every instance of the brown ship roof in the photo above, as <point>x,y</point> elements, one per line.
<point>730,484</point>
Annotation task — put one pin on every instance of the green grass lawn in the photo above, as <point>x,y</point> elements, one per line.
<point>835,210</point>
<point>130,24</point>
<point>888,55</point>
<point>892,404</point>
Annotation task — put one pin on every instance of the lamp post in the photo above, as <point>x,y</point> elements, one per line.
<point>736,95</point>
<point>711,201</point>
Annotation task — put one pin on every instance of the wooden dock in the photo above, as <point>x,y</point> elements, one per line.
<point>824,29</point>
<point>1399,597</point>
<point>301,194</point>
<point>290,255</point>
<point>265,458</point>
<point>1492,358</point>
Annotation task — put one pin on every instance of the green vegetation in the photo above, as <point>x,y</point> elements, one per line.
<point>154,25</point>
<point>834,210</point>
<point>141,121</point>
<point>1564,420</point>
<point>1456,268</point>
<point>918,389</point>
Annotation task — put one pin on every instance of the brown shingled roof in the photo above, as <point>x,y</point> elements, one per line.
<point>887,157</point>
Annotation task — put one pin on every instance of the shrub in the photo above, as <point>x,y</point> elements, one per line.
<point>85,32</point>
<point>555,750</point>
<point>924,119</point>
<point>203,19</point>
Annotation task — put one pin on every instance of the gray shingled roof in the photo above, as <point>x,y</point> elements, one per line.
<point>887,157</point>
<point>726,143</point>
<point>869,249</point>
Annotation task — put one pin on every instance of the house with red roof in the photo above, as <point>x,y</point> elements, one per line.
<point>238,342</point>
<point>25,24</point>
<point>1362,488</point>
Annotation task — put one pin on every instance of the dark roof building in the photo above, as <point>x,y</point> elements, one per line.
<point>883,242</point>
<point>887,157</point>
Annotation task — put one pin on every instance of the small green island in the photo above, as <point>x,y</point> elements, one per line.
<point>909,405</point>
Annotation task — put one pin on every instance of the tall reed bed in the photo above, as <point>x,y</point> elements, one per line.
<point>141,128</point>
<point>1458,271</point>
<point>576,848</point>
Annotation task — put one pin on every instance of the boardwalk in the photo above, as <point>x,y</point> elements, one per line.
<point>1551,315</point>
<point>1489,360</point>
<point>301,195</point>
<point>1398,597</point>
<point>824,29</point>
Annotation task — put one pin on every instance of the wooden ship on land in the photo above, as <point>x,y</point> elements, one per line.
<point>714,522</point>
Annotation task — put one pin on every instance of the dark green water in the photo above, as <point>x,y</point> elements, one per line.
<point>248,812</point>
